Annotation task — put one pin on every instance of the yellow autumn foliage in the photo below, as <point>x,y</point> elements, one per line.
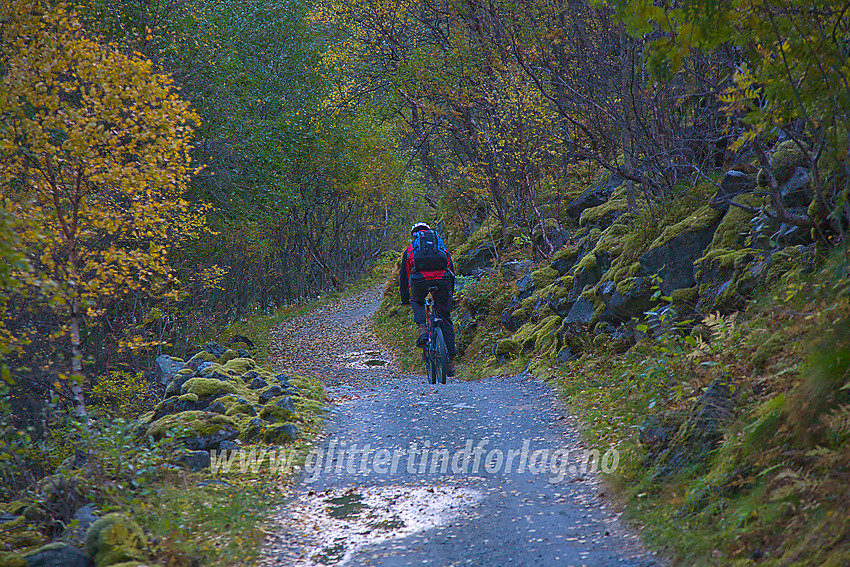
<point>94,161</point>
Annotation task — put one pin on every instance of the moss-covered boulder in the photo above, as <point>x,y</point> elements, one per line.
<point>57,555</point>
<point>477,258</point>
<point>281,433</point>
<point>200,357</point>
<point>734,183</point>
<point>583,309</point>
<point>238,406</point>
<point>17,533</point>
<point>544,276</point>
<point>253,429</point>
<point>167,367</point>
<point>228,355</point>
<point>114,539</point>
<point>215,349</point>
<point>728,269</point>
<point>672,255</point>
<point>174,404</point>
<point>208,387</point>
<point>198,430</point>
<point>589,270</point>
<point>596,195</point>
<point>8,559</point>
<point>558,296</point>
<point>508,348</point>
<point>270,393</point>
<point>279,410</point>
<point>785,158</point>
<point>535,337</point>
<point>564,259</point>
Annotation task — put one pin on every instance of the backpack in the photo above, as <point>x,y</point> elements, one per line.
<point>429,252</point>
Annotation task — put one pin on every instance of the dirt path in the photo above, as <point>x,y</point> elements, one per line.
<point>334,344</point>
<point>470,473</point>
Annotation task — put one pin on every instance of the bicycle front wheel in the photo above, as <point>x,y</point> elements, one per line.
<point>440,358</point>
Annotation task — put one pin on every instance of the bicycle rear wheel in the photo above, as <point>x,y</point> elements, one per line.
<point>440,358</point>
<point>428,355</point>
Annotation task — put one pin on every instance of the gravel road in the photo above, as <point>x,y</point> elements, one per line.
<point>491,472</point>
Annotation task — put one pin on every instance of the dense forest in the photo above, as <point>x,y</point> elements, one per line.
<point>169,168</point>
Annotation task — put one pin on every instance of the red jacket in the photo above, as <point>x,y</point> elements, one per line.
<point>408,272</point>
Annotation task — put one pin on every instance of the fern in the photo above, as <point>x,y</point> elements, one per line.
<point>838,420</point>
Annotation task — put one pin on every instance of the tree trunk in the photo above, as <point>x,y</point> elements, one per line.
<point>77,377</point>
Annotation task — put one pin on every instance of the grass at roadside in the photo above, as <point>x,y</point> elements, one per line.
<point>771,490</point>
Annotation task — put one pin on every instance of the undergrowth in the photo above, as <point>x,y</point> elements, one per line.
<point>773,491</point>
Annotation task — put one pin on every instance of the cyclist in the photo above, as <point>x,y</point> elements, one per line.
<point>414,285</point>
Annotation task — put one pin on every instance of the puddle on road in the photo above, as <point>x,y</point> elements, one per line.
<point>364,359</point>
<point>332,526</point>
<point>345,506</point>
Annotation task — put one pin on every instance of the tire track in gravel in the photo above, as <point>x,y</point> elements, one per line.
<point>352,506</point>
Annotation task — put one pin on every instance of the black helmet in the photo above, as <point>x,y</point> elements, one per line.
<point>417,227</point>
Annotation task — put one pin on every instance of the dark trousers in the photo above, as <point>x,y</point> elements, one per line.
<point>442,303</point>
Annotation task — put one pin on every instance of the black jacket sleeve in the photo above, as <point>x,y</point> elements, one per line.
<point>403,279</point>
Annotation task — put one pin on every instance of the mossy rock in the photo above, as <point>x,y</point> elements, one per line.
<point>228,355</point>
<point>57,554</point>
<point>232,400</point>
<point>191,397</point>
<point>208,387</point>
<point>239,366</point>
<point>508,347</point>
<point>551,225</point>
<point>604,214</point>
<point>531,335</point>
<point>241,407</point>
<point>728,269</point>
<point>601,341</point>
<point>547,335</point>
<point>564,259</point>
<point>785,157</point>
<point>282,433</point>
<point>687,295</point>
<point>202,356</point>
<point>8,559</point>
<point>277,410</point>
<point>198,430</point>
<point>18,534</point>
<point>305,406</point>
<point>701,219</point>
<point>735,225</point>
<point>115,539</point>
<point>487,232</point>
<point>588,262</point>
<point>544,277</point>
<point>185,372</point>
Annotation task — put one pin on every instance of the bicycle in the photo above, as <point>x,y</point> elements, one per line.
<point>435,352</point>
